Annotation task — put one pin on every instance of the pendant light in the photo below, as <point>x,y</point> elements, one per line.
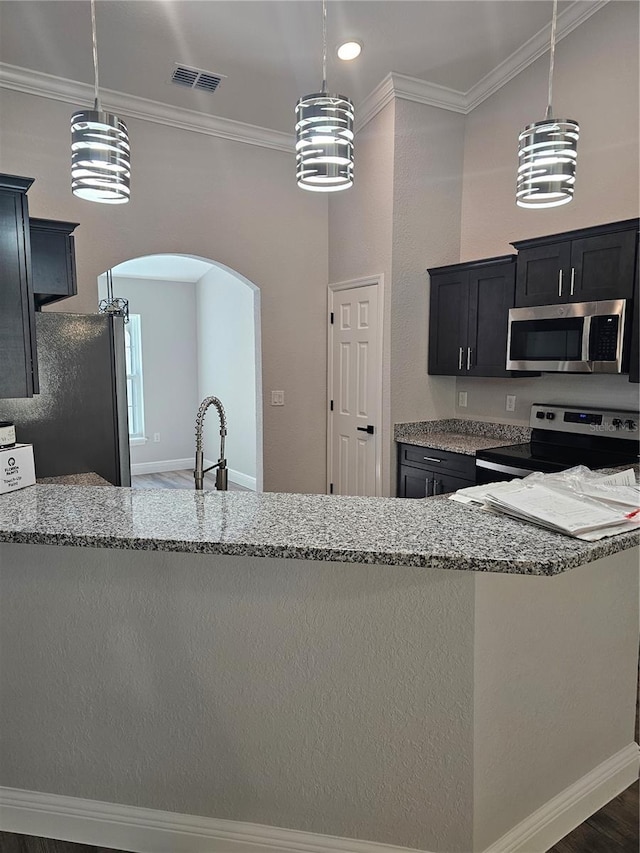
<point>100,155</point>
<point>547,153</point>
<point>324,135</point>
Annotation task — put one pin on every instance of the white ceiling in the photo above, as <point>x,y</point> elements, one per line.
<point>269,50</point>
<point>163,268</point>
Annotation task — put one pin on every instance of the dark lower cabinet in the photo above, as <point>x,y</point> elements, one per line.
<point>468,317</point>
<point>587,265</point>
<point>18,359</point>
<point>53,263</point>
<point>424,471</point>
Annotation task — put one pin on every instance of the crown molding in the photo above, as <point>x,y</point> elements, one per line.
<point>411,89</point>
<point>81,94</point>
<point>531,50</point>
<point>397,85</point>
<point>394,85</point>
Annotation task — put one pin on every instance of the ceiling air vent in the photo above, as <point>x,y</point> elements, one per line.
<point>196,78</point>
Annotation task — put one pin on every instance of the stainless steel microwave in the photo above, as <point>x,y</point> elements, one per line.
<point>578,337</point>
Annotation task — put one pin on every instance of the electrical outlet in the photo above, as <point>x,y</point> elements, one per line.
<point>511,402</point>
<point>462,399</point>
<point>277,398</point>
<point>156,436</point>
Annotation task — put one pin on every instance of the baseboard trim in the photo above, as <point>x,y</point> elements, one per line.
<point>241,479</point>
<point>236,477</point>
<point>571,807</point>
<point>149,831</point>
<point>142,830</point>
<point>162,465</point>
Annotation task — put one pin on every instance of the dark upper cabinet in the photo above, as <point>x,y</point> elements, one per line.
<point>468,317</point>
<point>448,317</point>
<point>53,262</point>
<point>18,359</point>
<point>587,265</point>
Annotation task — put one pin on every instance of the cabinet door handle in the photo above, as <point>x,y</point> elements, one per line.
<point>431,459</point>
<point>437,486</point>
<point>573,279</point>
<point>460,358</point>
<point>560,283</point>
<point>427,493</point>
<point>468,358</point>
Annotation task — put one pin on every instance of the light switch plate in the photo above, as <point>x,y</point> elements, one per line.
<point>462,399</point>
<point>511,402</point>
<point>277,398</point>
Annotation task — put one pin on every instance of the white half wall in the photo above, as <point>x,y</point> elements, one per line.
<point>227,363</point>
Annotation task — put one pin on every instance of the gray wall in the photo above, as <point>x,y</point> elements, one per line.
<point>228,364</point>
<point>200,195</point>
<point>425,708</point>
<point>170,365</point>
<point>323,697</point>
<point>360,242</point>
<point>596,81</point>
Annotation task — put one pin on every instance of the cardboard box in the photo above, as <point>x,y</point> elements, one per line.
<point>17,468</point>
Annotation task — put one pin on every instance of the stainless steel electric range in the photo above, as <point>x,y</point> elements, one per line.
<point>562,437</point>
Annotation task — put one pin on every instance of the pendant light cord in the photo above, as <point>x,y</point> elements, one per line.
<point>324,45</point>
<point>553,53</point>
<point>97,104</point>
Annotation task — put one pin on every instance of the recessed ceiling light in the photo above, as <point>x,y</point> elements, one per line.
<point>350,49</point>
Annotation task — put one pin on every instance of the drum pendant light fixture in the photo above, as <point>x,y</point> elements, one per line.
<point>547,153</point>
<point>324,135</point>
<point>100,154</point>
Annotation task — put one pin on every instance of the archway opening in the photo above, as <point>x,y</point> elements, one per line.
<point>194,333</point>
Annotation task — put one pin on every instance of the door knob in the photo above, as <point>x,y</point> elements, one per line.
<point>368,428</point>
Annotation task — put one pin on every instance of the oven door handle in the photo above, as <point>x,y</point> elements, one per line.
<point>503,469</point>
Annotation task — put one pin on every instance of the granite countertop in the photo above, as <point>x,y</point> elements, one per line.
<point>435,533</point>
<point>459,436</point>
<point>88,479</point>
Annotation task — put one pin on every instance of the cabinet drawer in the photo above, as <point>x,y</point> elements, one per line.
<point>438,460</point>
<point>414,482</point>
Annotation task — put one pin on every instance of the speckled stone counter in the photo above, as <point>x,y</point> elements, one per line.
<point>432,533</point>
<point>460,436</point>
<point>88,479</point>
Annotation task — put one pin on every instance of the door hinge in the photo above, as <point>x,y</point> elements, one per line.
<point>331,318</point>
<point>331,405</point>
<point>330,488</point>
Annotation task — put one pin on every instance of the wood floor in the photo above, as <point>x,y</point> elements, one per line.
<point>176,480</point>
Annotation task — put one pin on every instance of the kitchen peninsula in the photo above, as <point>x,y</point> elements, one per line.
<point>413,673</point>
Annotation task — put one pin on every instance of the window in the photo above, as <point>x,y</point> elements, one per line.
<point>133,354</point>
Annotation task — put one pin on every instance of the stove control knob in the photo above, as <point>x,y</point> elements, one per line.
<point>617,423</point>
<point>630,424</point>
<point>540,415</point>
<point>550,416</point>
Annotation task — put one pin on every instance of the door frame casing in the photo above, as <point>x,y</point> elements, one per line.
<point>333,288</point>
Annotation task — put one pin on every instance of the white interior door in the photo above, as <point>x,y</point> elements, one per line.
<point>355,388</point>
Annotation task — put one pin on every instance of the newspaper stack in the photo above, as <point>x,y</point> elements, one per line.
<point>577,502</point>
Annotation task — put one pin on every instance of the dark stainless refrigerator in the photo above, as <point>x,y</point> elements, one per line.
<point>78,421</point>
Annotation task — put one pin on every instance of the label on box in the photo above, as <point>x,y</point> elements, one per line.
<point>17,468</point>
